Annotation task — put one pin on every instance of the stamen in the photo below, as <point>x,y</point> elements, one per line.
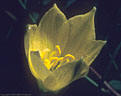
<point>60,59</point>
<point>54,60</point>
<point>69,56</point>
<point>56,66</point>
<point>52,54</point>
<point>58,50</point>
<point>47,63</point>
<point>44,52</point>
<point>54,63</point>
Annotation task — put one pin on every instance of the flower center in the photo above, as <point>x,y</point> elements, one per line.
<point>54,59</point>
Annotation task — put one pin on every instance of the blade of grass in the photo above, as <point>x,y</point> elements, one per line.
<point>23,4</point>
<point>9,32</point>
<point>114,56</point>
<point>11,15</point>
<point>113,62</point>
<point>69,3</point>
<point>91,81</point>
<point>106,83</point>
<point>45,2</point>
<point>110,88</point>
<point>117,50</point>
<point>32,18</point>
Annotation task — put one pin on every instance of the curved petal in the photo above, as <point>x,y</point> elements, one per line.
<point>92,50</point>
<point>37,67</point>
<point>82,26</point>
<point>89,51</point>
<point>64,75</point>
<point>81,29</point>
<point>62,36</point>
<point>50,23</point>
<point>28,37</point>
<point>26,43</point>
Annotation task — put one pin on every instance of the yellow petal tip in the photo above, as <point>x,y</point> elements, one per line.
<point>94,9</point>
<point>55,5</point>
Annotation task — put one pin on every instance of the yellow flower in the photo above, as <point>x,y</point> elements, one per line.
<point>60,51</point>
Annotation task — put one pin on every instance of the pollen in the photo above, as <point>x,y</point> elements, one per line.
<point>55,60</point>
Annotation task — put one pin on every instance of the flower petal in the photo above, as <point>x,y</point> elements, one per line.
<point>50,23</point>
<point>37,67</point>
<point>83,25</point>
<point>92,50</point>
<point>89,51</point>
<point>28,37</point>
<point>81,29</point>
<point>65,74</point>
<point>62,37</point>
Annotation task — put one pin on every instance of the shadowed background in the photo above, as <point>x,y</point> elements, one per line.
<point>15,76</point>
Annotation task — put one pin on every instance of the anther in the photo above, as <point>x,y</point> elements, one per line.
<point>69,56</point>
<point>54,63</point>
<point>53,59</point>
<point>58,50</point>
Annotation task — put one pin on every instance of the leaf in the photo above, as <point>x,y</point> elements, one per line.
<point>117,50</point>
<point>91,81</point>
<point>69,3</point>
<point>116,84</point>
<point>120,75</point>
<point>23,4</point>
<point>104,90</point>
<point>34,16</point>
<point>113,62</point>
<point>45,2</point>
<point>9,32</point>
<point>11,15</point>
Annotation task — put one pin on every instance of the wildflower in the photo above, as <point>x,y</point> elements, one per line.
<point>60,51</point>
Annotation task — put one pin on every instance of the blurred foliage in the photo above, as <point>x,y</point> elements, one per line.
<point>34,17</point>
<point>23,3</point>
<point>116,84</point>
<point>108,26</point>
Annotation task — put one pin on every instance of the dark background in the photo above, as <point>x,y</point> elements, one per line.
<point>15,76</point>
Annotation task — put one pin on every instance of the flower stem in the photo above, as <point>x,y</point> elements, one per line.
<point>91,81</point>
<point>105,82</point>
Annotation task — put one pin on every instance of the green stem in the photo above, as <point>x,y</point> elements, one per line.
<point>91,81</point>
<point>105,82</point>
